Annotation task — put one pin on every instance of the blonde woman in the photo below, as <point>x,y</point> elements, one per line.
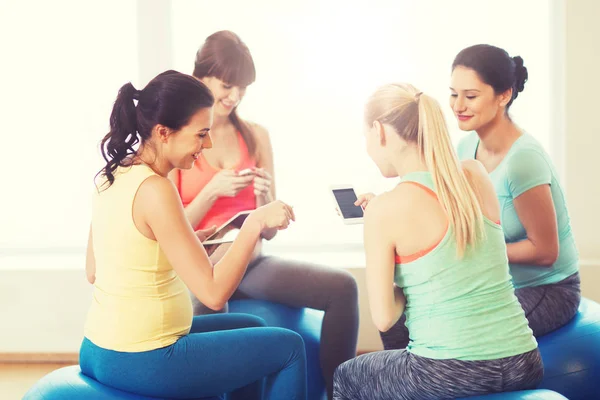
<point>436,254</point>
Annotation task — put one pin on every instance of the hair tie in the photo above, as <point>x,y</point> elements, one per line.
<point>136,94</point>
<point>418,96</point>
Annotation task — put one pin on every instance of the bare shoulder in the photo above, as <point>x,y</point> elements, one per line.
<point>264,150</point>
<point>377,217</point>
<point>474,168</point>
<point>376,210</point>
<point>260,132</point>
<point>477,175</point>
<point>157,191</point>
<point>406,216</point>
<point>393,205</point>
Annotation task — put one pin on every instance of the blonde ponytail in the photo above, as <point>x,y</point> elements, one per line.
<point>418,118</point>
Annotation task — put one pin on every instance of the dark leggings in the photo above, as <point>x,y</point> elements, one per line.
<point>400,375</point>
<point>302,284</point>
<point>221,354</point>
<point>547,308</point>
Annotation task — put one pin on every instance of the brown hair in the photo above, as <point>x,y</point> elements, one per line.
<point>224,56</point>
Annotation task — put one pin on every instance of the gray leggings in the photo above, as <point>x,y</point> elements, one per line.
<point>398,374</point>
<point>547,308</point>
<point>301,284</point>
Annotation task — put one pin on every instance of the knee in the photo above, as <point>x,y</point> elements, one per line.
<point>341,371</point>
<point>341,377</point>
<point>293,342</point>
<point>294,339</point>
<point>345,288</point>
<point>252,321</point>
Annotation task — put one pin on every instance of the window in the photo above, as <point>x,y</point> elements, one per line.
<point>316,64</point>
<point>318,61</point>
<point>66,61</point>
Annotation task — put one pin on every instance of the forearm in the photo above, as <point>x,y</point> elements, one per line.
<point>386,313</point>
<point>199,207</point>
<point>526,252</point>
<point>262,200</point>
<point>229,271</point>
<point>219,252</point>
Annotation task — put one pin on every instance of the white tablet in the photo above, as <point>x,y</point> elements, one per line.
<point>344,197</point>
<point>227,232</point>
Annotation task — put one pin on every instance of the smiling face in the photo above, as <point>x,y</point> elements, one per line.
<point>474,103</point>
<point>184,146</point>
<point>227,97</point>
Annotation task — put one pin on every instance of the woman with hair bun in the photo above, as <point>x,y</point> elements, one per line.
<point>544,261</point>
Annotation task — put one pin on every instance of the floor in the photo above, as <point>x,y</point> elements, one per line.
<point>16,379</point>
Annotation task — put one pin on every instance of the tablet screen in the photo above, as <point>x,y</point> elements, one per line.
<point>234,223</point>
<point>345,199</point>
<point>226,237</point>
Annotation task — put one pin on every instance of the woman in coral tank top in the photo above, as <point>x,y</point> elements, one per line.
<point>213,191</point>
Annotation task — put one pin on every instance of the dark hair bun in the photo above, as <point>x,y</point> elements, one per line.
<point>520,75</point>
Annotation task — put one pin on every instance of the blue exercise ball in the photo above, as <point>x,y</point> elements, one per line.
<point>70,383</point>
<point>571,355</point>
<point>305,321</point>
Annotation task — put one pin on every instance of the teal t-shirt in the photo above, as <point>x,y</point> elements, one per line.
<point>525,166</point>
<point>463,308</point>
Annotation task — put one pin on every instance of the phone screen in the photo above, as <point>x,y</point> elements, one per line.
<point>345,199</point>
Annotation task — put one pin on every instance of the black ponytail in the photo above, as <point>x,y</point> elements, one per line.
<point>118,144</point>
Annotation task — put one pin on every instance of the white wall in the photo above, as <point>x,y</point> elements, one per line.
<point>582,140</point>
<point>43,310</point>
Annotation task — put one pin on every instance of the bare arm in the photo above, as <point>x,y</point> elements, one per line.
<point>386,300</point>
<point>265,161</point>
<point>536,212</point>
<point>202,203</point>
<point>161,209</point>
<point>90,260</point>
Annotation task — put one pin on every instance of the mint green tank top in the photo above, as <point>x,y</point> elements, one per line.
<point>525,166</point>
<point>463,309</point>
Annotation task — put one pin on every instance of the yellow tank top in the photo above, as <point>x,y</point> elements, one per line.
<point>139,302</point>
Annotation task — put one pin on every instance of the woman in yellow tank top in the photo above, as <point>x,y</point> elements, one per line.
<point>143,256</point>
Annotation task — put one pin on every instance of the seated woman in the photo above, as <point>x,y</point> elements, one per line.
<point>213,191</point>
<point>542,254</point>
<point>436,253</point>
<point>140,334</point>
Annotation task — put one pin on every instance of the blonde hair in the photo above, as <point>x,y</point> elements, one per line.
<point>418,118</point>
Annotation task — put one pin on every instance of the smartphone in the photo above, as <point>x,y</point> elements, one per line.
<point>345,197</point>
<point>247,171</point>
<point>227,232</point>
